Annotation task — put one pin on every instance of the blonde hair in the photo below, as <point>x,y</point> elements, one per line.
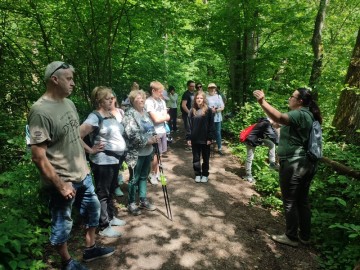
<point>134,93</point>
<point>155,85</point>
<point>204,106</point>
<point>98,94</point>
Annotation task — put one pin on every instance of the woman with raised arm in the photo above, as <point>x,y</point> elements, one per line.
<point>296,169</point>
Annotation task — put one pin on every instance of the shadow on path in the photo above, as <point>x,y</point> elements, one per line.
<point>213,227</point>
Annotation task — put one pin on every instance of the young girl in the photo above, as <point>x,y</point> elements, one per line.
<point>200,134</point>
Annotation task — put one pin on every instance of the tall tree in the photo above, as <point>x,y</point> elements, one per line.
<point>317,46</point>
<point>347,116</point>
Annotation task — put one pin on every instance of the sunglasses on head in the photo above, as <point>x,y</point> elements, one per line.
<point>62,66</point>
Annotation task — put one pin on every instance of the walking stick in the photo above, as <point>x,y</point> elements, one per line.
<point>163,183</point>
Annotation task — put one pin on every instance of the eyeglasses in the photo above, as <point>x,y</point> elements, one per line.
<point>62,66</point>
<point>199,86</point>
<point>293,97</point>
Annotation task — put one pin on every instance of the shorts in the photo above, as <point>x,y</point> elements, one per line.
<point>162,144</point>
<point>85,200</point>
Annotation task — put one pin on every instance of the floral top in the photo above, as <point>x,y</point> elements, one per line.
<point>138,129</point>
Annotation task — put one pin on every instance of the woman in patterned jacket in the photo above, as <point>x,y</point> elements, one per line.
<point>139,133</point>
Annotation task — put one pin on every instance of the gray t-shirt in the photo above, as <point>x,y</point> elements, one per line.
<point>111,135</point>
<point>57,123</point>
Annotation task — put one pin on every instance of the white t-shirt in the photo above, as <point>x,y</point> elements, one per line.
<point>111,135</point>
<point>216,101</point>
<point>157,106</point>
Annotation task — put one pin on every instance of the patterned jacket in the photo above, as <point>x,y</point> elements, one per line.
<point>135,135</point>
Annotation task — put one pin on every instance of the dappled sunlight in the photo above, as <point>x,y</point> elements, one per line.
<point>213,225</point>
<point>189,259</point>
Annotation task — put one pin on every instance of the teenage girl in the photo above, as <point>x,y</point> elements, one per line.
<point>200,134</point>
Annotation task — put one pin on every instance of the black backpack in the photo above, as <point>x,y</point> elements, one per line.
<point>90,138</point>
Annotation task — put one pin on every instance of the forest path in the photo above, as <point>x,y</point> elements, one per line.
<point>213,226</point>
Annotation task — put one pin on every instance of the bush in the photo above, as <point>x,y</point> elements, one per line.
<point>21,239</point>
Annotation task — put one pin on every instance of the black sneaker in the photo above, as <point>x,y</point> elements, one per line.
<point>145,204</point>
<point>74,265</point>
<point>97,253</point>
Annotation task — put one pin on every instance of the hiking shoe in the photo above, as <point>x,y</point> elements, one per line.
<point>94,253</point>
<point>283,239</point>
<point>198,179</point>
<point>74,265</point>
<point>133,209</point>
<point>189,149</point>
<point>274,166</point>
<point>109,232</point>
<point>145,204</point>
<point>118,192</point>
<point>117,222</point>
<point>304,242</point>
<point>221,153</point>
<point>249,178</point>
<point>153,179</point>
<point>204,179</point>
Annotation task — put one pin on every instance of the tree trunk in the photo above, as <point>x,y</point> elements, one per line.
<point>340,168</point>
<point>353,73</point>
<point>317,47</point>
<point>235,74</point>
<point>347,116</point>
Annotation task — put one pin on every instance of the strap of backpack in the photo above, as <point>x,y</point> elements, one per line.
<point>100,123</point>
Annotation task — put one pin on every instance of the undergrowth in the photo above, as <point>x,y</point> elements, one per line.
<point>335,198</point>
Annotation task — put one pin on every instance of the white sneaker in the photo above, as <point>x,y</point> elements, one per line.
<point>153,179</point>
<point>117,222</point>
<point>204,179</point>
<point>109,232</point>
<point>197,179</point>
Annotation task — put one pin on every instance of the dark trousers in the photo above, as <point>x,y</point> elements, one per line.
<point>204,151</point>
<point>173,116</point>
<point>295,178</point>
<point>106,178</point>
<point>185,120</point>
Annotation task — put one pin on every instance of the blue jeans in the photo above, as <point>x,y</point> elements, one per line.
<point>295,178</point>
<point>85,200</point>
<point>218,134</point>
<point>139,178</point>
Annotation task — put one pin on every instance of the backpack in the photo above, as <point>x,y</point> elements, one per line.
<point>314,146</point>
<point>245,133</point>
<point>90,138</point>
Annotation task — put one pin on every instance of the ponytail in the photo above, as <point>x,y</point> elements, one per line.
<point>305,96</point>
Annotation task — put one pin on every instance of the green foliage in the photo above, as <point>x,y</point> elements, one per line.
<point>21,239</point>
<point>334,198</point>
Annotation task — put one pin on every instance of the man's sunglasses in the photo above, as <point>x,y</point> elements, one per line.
<point>62,66</point>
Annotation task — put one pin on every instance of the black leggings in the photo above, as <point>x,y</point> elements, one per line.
<point>295,179</point>
<point>106,181</point>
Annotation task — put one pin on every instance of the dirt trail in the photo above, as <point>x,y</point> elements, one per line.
<point>213,225</point>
